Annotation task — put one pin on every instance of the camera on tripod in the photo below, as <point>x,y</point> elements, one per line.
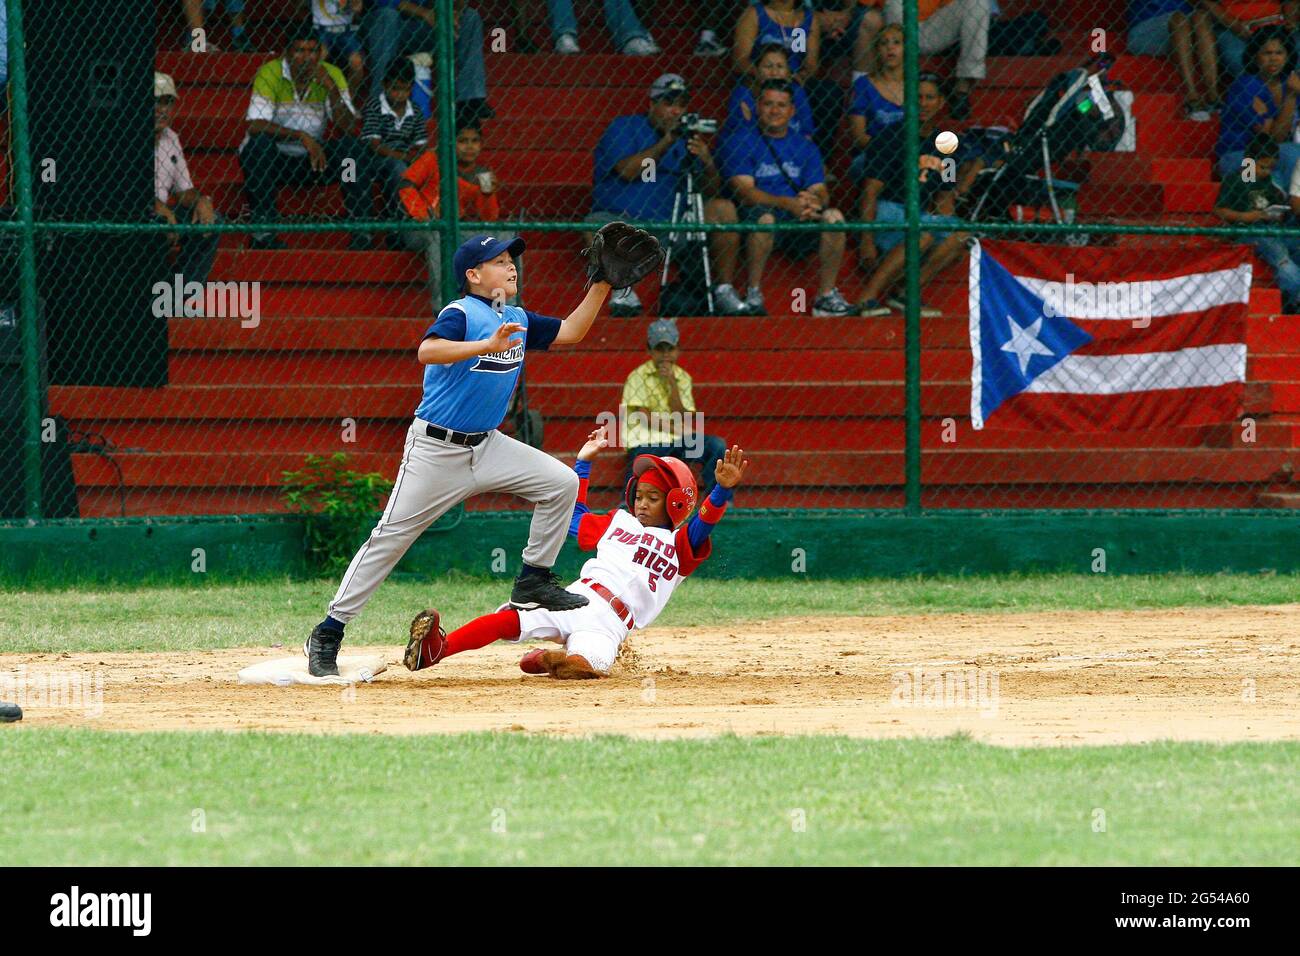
<point>693,124</point>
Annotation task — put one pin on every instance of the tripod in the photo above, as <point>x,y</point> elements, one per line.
<point>688,207</point>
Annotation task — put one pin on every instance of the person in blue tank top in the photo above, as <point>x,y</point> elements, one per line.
<point>472,356</point>
<point>786,23</point>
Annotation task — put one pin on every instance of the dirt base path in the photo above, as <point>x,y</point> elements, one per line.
<point>1050,679</point>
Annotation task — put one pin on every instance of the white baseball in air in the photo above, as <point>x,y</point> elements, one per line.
<point>947,142</point>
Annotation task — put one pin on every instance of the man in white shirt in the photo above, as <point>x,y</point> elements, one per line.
<point>172,184</point>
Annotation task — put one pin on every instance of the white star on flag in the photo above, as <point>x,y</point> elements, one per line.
<point>1024,343</point>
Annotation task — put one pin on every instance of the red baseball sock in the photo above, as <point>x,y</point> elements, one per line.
<point>482,631</point>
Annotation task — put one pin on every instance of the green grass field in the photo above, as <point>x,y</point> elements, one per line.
<point>97,797</point>
<point>239,615</point>
<point>494,799</point>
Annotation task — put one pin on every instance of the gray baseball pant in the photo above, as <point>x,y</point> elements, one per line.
<point>434,477</point>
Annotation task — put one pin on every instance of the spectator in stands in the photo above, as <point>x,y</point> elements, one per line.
<point>395,28</point>
<point>1185,33</point>
<point>778,177</point>
<point>845,28</point>
<point>420,199</point>
<point>336,23</point>
<point>1232,22</point>
<point>1250,196</point>
<point>172,184</point>
<point>638,170</point>
<point>477,186</point>
<point>943,23</point>
<point>196,10</point>
<point>628,35</point>
<point>883,199</point>
<point>659,409</point>
<point>295,100</point>
<point>869,24</point>
<point>784,22</point>
<point>878,96</point>
<point>742,112</point>
<point>716,21</point>
<point>395,132</point>
<point>1261,100</point>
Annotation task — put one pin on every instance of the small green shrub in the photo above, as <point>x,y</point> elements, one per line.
<point>339,504</point>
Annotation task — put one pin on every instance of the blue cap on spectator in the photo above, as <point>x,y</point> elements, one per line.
<point>662,331</point>
<point>479,249</point>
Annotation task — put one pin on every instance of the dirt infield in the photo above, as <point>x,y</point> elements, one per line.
<point>1052,679</point>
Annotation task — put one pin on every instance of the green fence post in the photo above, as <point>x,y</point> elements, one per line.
<point>450,219</point>
<point>912,270</point>
<point>30,330</point>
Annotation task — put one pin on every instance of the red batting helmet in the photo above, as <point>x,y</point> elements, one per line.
<point>682,491</point>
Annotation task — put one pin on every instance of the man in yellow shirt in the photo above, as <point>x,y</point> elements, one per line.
<point>659,409</point>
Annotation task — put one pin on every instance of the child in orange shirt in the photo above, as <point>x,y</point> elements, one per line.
<point>477,189</point>
<point>479,199</point>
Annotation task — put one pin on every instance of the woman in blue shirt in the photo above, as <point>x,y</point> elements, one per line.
<point>773,63</point>
<point>1262,100</point>
<point>878,98</point>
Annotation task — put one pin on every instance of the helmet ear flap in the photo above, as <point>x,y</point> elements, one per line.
<point>629,493</point>
<point>681,502</point>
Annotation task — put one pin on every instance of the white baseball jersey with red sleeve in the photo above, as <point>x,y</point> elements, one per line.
<point>641,566</point>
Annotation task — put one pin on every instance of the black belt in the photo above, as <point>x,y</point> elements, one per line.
<point>456,438</point>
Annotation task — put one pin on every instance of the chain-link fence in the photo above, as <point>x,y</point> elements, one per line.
<point>176,349</point>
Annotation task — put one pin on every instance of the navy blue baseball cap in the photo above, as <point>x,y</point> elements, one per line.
<point>479,249</point>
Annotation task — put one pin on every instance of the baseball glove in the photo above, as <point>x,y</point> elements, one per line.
<point>622,255</point>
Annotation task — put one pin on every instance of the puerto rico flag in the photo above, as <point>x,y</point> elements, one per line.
<point>1087,339</point>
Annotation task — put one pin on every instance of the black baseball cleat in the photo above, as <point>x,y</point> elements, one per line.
<point>428,643</point>
<point>322,651</point>
<point>543,590</point>
<point>9,713</point>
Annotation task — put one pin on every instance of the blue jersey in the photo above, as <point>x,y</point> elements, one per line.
<point>472,395</point>
<point>742,99</point>
<point>871,105</point>
<point>626,136</point>
<point>747,154</point>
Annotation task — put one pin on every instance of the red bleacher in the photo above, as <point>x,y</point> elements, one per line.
<point>338,328</point>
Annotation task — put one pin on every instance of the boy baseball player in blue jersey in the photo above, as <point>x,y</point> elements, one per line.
<point>472,356</point>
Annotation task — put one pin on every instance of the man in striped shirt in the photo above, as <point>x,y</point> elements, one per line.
<point>394,28</point>
<point>295,100</point>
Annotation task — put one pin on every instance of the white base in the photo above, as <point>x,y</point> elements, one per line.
<point>286,671</point>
